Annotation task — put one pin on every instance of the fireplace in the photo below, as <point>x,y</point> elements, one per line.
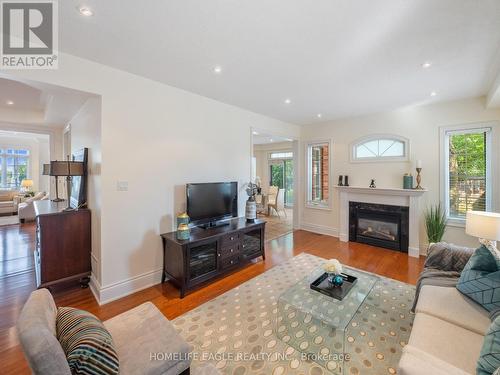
<point>379,225</point>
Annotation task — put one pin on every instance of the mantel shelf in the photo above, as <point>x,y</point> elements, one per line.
<point>382,191</point>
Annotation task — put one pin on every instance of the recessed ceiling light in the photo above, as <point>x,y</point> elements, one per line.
<point>319,115</point>
<point>271,140</point>
<point>426,64</point>
<point>85,11</point>
<point>9,102</point>
<point>433,93</point>
<point>217,70</point>
<point>255,133</point>
<point>288,101</point>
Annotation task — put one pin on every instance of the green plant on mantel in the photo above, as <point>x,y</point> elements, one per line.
<point>435,223</point>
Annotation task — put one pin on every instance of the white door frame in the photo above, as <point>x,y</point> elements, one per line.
<point>296,169</point>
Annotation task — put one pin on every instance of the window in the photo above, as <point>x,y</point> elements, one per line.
<point>281,155</point>
<point>14,167</point>
<point>380,147</point>
<point>318,174</point>
<point>467,171</point>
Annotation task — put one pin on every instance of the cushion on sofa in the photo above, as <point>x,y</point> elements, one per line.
<point>480,279</point>
<point>142,336</point>
<point>88,346</point>
<point>449,304</point>
<point>489,359</point>
<point>36,327</point>
<point>416,362</point>
<point>448,342</point>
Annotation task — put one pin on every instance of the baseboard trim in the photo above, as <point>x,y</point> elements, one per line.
<point>95,287</point>
<point>123,288</point>
<point>414,252</point>
<point>320,229</point>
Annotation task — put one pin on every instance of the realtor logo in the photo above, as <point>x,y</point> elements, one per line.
<point>29,34</point>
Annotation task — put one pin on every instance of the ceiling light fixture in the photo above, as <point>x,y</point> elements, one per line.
<point>85,11</point>
<point>288,101</point>
<point>9,102</point>
<point>217,70</point>
<point>271,140</point>
<point>426,64</point>
<point>319,115</point>
<point>255,133</point>
<point>433,93</point>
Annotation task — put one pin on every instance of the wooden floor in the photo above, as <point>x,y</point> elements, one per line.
<point>14,290</point>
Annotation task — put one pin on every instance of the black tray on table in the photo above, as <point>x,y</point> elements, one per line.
<point>322,285</point>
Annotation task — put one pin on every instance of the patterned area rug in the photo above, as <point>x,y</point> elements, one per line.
<point>236,331</point>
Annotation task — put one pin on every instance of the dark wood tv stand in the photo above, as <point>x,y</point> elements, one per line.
<point>211,252</point>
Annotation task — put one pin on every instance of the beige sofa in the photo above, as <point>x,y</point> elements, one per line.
<point>447,334</point>
<point>136,333</point>
<point>26,209</point>
<point>8,202</point>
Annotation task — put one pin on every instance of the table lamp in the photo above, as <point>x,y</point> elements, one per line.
<point>484,225</point>
<point>69,169</point>
<point>26,185</point>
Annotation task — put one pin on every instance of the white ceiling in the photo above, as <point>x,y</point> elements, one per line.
<point>334,57</point>
<point>32,102</point>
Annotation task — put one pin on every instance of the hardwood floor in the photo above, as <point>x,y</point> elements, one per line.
<point>14,290</point>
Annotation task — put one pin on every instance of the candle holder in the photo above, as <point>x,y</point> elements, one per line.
<point>418,187</point>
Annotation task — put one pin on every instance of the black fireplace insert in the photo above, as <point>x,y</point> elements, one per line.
<point>379,225</point>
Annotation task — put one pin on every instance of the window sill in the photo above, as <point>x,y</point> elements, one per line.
<point>455,222</point>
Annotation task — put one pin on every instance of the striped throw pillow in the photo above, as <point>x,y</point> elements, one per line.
<point>88,345</point>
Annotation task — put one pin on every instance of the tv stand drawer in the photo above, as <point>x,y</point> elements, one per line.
<point>230,250</point>
<point>229,240</point>
<point>230,262</point>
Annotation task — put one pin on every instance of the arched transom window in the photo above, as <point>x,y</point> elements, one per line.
<point>380,147</point>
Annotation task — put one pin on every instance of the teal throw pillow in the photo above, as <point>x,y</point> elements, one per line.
<point>489,358</point>
<point>480,279</point>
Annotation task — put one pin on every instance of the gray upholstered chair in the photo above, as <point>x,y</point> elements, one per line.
<point>138,334</point>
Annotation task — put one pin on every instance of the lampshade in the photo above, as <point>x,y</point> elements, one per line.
<point>46,170</point>
<point>485,225</point>
<point>26,183</point>
<point>66,168</point>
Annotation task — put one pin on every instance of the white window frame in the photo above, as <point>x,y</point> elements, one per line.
<point>308,190</point>
<point>445,133</point>
<point>287,151</point>
<point>375,137</point>
<point>3,163</point>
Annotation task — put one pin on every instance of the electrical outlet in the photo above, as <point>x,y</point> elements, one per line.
<point>122,186</point>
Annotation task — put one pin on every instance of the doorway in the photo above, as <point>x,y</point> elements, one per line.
<point>281,173</point>
<point>274,171</point>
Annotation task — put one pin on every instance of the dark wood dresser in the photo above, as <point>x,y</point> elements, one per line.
<point>63,244</point>
<point>210,253</point>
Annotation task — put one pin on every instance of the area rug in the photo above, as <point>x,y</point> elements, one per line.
<point>9,220</point>
<point>236,331</point>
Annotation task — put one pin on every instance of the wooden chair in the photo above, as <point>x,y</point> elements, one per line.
<point>272,198</point>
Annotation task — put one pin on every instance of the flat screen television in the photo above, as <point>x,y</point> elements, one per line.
<point>209,203</point>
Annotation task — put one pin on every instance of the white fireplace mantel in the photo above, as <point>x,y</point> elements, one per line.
<point>391,196</point>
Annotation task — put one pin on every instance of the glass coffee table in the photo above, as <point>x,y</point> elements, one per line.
<point>316,324</point>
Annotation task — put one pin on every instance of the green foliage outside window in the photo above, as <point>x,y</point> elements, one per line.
<point>467,173</point>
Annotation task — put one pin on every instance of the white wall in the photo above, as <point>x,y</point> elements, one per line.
<point>157,138</point>
<point>86,132</point>
<point>421,125</point>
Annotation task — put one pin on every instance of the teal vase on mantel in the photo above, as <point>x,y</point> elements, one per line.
<point>407,181</point>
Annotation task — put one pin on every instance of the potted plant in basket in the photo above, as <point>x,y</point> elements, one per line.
<point>435,223</point>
